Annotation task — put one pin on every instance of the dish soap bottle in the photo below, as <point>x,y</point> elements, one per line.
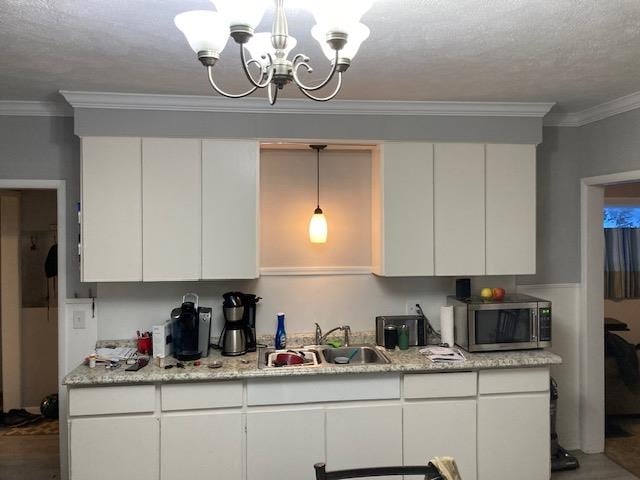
<point>281,334</point>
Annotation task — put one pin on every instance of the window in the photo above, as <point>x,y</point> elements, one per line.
<point>617,216</point>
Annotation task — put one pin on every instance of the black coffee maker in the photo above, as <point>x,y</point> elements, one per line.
<point>239,333</point>
<point>191,329</point>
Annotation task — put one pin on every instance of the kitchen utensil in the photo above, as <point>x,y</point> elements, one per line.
<point>341,360</point>
<point>353,354</point>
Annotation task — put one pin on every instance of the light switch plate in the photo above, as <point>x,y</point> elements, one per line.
<point>79,319</point>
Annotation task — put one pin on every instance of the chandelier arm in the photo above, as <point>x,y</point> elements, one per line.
<point>222,92</point>
<point>245,67</point>
<point>272,96</point>
<point>324,99</point>
<point>304,62</point>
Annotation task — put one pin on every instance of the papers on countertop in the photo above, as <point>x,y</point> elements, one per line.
<point>443,354</point>
<point>115,354</point>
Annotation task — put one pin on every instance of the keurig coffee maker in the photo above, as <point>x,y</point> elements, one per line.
<point>191,329</point>
<point>239,335</point>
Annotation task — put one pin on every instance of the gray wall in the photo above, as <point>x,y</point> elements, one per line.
<point>567,155</point>
<point>45,148</point>
<point>296,126</point>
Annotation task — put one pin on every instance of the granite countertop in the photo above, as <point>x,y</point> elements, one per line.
<point>246,366</point>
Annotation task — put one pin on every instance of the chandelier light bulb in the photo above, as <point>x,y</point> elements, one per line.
<point>242,12</point>
<point>358,34</point>
<point>318,227</point>
<point>339,15</point>
<point>204,30</point>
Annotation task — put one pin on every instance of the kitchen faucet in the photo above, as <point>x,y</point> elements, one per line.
<point>320,338</point>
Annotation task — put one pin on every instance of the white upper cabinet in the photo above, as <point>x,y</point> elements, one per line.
<point>459,216</point>
<point>111,209</point>
<point>171,202</point>
<point>511,209</point>
<point>230,184</point>
<point>403,210</point>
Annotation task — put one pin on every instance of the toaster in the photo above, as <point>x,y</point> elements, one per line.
<point>416,324</point>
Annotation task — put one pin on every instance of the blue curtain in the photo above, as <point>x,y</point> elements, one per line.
<point>622,263</point>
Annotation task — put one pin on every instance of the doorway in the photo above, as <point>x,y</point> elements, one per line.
<point>35,215</point>
<point>29,425</point>
<point>622,324</point>
<point>591,311</point>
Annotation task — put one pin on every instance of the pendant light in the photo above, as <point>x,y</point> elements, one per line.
<point>318,222</point>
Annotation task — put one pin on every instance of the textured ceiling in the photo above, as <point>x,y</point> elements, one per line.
<point>578,53</point>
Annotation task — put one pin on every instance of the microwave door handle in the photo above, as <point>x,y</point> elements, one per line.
<point>534,325</point>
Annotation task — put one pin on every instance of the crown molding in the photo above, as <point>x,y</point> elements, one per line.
<point>595,113</point>
<point>195,103</point>
<point>34,109</point>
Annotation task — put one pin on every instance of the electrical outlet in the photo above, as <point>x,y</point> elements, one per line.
<point>79,319</point>
<point>410,307</point>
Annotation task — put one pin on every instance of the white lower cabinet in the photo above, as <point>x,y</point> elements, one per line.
<point>364,436</point>
<point>202,446</point>
<point>513,437</point>
<point>285,444</point>
<point>436,428</point>
<point>114,447</point>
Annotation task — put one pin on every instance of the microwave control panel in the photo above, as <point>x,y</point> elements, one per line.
<point>544,324</point>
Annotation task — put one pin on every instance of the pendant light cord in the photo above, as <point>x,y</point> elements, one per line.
<point>318,176</point>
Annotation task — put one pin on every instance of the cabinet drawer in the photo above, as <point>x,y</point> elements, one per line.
<point>109,400</point>
<point>440,385</point>
<point>515,380</point>
<point>275,391</point>
<point>193,396</point>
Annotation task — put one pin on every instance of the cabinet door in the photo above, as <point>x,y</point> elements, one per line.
<point>513,437</point>
<point>359,437</point>
<point>511,209</point>
<point>171,202</point>
<point>230,182</point>
<point>441,428</point>
<point>114,447</point>
<point>198,445</point>
<point>111,209</point>
<point>403,192</point>
<point>459,217</point>
<point>284,444</point>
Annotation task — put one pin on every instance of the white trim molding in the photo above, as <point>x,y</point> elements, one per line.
<point>197,103</point>
<point>595,113</point>
<point>20,108</point>
<point>286,271</point>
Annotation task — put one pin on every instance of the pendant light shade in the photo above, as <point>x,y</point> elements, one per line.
<point>318,227</point>
<point>318,224</point>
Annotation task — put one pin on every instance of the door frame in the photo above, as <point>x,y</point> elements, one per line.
<point>591,309</point>
<point>60,187</point>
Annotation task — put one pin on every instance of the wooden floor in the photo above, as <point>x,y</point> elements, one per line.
<point>34,457</point>
<point>595,467</point>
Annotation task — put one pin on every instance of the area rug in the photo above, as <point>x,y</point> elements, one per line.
<point>625,451</point>
<point>43,427</point>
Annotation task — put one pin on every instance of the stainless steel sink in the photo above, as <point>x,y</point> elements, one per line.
<point>364,354</point>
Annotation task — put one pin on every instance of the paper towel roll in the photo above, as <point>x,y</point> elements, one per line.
<point>446,325</point>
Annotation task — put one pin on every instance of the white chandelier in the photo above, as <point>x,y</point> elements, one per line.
<point>338,30</point>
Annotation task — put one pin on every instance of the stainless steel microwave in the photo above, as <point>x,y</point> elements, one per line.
<point>518,322</point>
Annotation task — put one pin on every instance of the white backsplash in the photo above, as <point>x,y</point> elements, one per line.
<point>332,300</point>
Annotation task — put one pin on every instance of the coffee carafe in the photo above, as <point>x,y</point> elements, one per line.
<point>238,335</point>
